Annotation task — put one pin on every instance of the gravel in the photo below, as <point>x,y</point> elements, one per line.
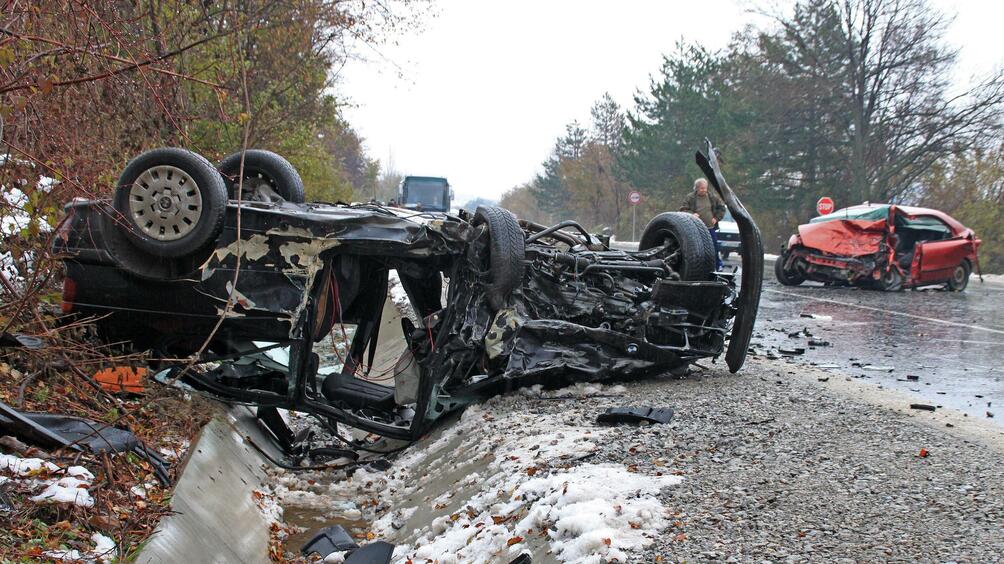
<point>781,469</point>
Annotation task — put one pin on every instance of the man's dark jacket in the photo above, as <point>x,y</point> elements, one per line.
<point>717,205</point>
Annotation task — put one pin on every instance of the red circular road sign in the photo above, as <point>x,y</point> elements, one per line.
<point>634,197</point>
<point>824,205</point>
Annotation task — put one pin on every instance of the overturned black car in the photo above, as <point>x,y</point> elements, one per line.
<point>233,265</point>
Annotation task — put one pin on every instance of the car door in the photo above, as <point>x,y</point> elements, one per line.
<point>939,258</point>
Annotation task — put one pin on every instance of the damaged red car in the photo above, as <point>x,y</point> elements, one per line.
<point>881,246</point>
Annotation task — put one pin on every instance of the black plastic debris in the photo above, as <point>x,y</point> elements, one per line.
<point>328,541</point>
<point>378,552</point>
<point>912,377</point>
<point>13,340</point>
<point>524,558</point>
<point>379,465</point>
<point>49,430</point>
<point>818,343</point>
<point>636,415</point>
<point>922,406</point>
<point>791,351</point>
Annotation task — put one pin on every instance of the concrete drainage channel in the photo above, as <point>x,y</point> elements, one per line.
<point>217,517</point>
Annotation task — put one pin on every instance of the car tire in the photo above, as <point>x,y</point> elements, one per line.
<point>689,236</point>
<point>506,252</point>
<point>892,280</point>
<point>960,277</point>
<point>266,174</point>
<point>783,276</point>
<point>172,202</point>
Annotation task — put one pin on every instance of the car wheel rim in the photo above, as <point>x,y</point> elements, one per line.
<point>165,203</point>
<point>959,276</point>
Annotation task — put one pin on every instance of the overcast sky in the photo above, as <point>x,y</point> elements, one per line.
<point>480,94</point>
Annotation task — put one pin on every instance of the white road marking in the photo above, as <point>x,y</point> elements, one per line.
<point>888,312</point>
<point>998,343</point>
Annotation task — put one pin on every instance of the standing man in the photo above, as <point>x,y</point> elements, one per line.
<point>707,207</point>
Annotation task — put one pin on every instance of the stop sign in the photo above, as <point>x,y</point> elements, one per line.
<point>824,205</point>
<point>634,197</point>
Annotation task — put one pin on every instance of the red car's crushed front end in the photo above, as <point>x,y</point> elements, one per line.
<point>881,246</point>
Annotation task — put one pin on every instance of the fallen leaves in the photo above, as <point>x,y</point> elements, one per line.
<point>514,540</point>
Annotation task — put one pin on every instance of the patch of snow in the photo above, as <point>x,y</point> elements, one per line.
<point>66,490</point>
<point>25,466</point>
<point>104,547</point>
<point>268,506</point>
<point>142,490</point>
<point>395,290</point>
<point>80,472</point>
<point>595,510</point>
<point>105,550</point>
<point>63,555</point>
<point>577,390</point>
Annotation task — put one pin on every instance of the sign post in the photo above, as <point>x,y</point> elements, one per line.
<point>635,198</point>
<point>824,206</point>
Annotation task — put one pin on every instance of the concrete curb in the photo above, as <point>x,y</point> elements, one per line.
<point>216,519</point>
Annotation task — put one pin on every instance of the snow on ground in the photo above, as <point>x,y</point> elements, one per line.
<point>68,485</point>
<point>105,550</point>
<point>577,390</point>
<point>396,290</point>
<point>504,479</point>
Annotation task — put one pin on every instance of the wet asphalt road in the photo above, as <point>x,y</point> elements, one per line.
<point>952,343</point>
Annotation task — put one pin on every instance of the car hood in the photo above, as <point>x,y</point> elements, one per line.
<point>728,226</point>
<point>844,237</point>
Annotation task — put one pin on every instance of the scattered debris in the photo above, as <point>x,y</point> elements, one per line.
<point>923,453</point>
<point>77,433</point>
<point>818,343</point>
<point>791,351</point>
<point>875,368</point>
<point>817,316</point>
<point>327,541</point>
<point>913,377</point>
<point>12,340</point>
<point>922,406</point>
<point>379,552</point>
<point>636,415</point>
<point>120,379</point>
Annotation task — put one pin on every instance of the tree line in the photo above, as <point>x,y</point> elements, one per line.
<point>86,85</point>
<point>853,99</point>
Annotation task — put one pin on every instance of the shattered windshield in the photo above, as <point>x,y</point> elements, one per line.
<point>867,213</point>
